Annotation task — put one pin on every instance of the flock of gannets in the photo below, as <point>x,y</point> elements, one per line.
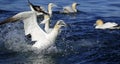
<point>46,37</point>
<point>42,38</point>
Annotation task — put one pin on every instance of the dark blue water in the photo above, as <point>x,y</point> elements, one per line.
<point>80,44</point>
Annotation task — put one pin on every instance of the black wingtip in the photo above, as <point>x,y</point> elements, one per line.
<point>45,13</point>
<point>8,20</point>
<point>5,21</point>
<point>29,2</point>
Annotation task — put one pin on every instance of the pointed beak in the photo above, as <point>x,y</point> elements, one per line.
<point>54,5</point>
<point>65,25</point>
<point>78,4</point>
<point>62,23</point>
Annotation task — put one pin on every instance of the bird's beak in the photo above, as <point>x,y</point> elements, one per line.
<point>78,4</point>
<point>59,7</point>
<point>65,25</point>
<point>62,23</point>
<point>54,5</point>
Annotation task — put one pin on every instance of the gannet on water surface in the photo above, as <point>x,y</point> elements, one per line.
<point>70,9</point>
<point>43,40</point>
<point>108,25</point>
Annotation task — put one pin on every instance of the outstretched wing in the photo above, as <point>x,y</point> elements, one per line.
<point>31,26</point>
<point>11,19</point>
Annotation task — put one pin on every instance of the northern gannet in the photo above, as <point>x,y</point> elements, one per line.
<point>108,25</point>
<point>47,20</point>
<point>50,6</point>
<point>43,40</point>
<point>70,9</point>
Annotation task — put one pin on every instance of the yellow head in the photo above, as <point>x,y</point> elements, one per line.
<point>52,5</point>
<point>74,6</point>
<point>59,24</point>
<point>99,22</point>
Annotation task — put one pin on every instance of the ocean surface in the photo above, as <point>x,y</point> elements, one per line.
<point>80,43</point>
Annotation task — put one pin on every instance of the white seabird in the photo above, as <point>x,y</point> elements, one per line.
<point>50,6</point>
<point>47,21</point>
<point>70,9</point>
<point>43,40</point>
<point>108,25</point>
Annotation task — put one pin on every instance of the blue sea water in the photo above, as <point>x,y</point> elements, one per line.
<point>80,43</point>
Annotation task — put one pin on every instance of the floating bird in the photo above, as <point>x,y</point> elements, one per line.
<point>109,25</point>
<point>42,39</point>
<point>70,9</point>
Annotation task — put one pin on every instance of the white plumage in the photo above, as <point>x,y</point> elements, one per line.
<point>43,39</point>
<point>50,6</point>
<point>70,9</point>
<point>46,20</point>
<point>108,25</point>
